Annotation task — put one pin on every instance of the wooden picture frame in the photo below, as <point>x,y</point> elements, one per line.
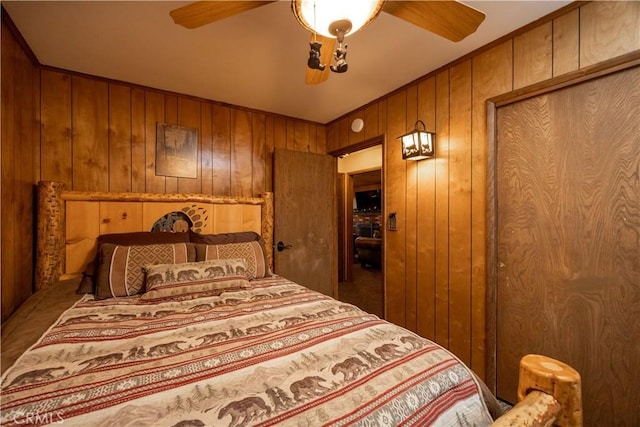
<point>176,151</point>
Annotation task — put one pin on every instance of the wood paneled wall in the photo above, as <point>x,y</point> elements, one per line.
<point>100,135</point>
<point>20,133</point>
<point>94,134</point>
<point>435,264</point>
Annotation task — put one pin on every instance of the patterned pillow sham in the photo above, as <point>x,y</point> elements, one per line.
<point>223,238</point>
<point>137,238</point>
<point>194,279</point>
<point>121,268</point>
<point>251,252</point>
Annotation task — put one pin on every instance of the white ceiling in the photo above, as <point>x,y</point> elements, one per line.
<point>256,59</point>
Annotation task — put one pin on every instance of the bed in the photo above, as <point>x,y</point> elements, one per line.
<point>198,331</point>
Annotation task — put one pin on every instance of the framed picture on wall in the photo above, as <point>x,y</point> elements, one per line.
<point>176,151</point>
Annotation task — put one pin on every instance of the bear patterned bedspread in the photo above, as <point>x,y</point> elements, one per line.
<point>275,353</point>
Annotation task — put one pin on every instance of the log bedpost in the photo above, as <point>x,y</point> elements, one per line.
<point>557,379</point>
<point>549,394</point>
<point>50,233</point>
<point>267,226</point>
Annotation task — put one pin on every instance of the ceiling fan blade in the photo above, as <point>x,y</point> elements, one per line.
<point>313,77</point>
<point>200,13</point>
<point>447,18</point>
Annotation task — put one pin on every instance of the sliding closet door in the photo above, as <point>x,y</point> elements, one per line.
<point>568,240</point>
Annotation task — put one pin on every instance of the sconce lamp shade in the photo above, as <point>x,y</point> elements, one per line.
<point>418,144</point>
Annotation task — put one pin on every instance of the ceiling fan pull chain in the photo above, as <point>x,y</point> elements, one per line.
<point>315,33</point>
<point>314,53</point>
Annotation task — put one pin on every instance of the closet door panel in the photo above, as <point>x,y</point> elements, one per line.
<point>568,247</point>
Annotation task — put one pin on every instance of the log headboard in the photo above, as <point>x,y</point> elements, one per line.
<point>69,222</point>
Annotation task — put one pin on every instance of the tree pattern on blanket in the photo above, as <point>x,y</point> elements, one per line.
<point>274,353</point>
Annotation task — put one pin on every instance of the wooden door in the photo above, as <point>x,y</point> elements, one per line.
<point>306,219</point>
<point>345,227</point>
<point>568,240</point>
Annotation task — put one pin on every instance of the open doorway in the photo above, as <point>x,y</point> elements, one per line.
<point>360,227</point>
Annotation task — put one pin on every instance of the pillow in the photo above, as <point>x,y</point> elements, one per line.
<point>143,238</point>
<point>225,238</point>
<point>88,285</point>
<point>219,239</point>
<point>194,279</point>
<point>252,253</point>
<point>121,268</point>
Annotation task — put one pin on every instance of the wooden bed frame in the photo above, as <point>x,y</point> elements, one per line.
<point>69,222</point>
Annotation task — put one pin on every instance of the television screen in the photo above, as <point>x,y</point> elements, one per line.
<point>368,201</point>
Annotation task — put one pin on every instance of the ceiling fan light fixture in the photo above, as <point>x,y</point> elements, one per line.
<point>318,15</point>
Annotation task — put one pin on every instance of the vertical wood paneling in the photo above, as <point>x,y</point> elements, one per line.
<point>291,135</point>
<point>56,128</point>
<point>221,149</point>
<point>460,212</point>
<point>241,153</point>
<point>411,217</point>
<point>301,136</point>
<point>206,149</point>
<point>170,117</point>
<point>566,43</point>
<point>19,153</point>
<point>138,141</point>
<point>280,132</point>
<point>189,116</point>
<point>491,76</point>
<point>321,139</point>
<point>90,122</point>
<point>120,143</point>
<point>154,113</point>
<point>8,208</point>
<point>24,157</point>
<point>382,117</point>
<point>170,109</point>
<point>442,209</point>
<point>425,221</point>
<point>608,29</point>
<point>532,56</point>
<point>259,147</point>
<point>37,103</point>
<point>313,138</point>
<point>355,137</point>
<point>371,118</point>
<point>270,144</point>
<point>332,137</point>
<point>344,130</point>
<point>395,183</point>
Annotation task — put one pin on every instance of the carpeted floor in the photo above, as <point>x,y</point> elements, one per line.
<point>365,291</point>
<point>505,405</point>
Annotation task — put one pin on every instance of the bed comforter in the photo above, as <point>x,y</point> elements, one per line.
<point>273,354</point>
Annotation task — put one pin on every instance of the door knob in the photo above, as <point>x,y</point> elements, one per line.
<point>281,246</point>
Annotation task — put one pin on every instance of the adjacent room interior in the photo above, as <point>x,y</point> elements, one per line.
<point>360,229</point>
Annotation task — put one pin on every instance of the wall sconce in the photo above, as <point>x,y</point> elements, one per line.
<point>418,144</point>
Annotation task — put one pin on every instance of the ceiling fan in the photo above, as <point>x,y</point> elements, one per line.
<point>330,21</point>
